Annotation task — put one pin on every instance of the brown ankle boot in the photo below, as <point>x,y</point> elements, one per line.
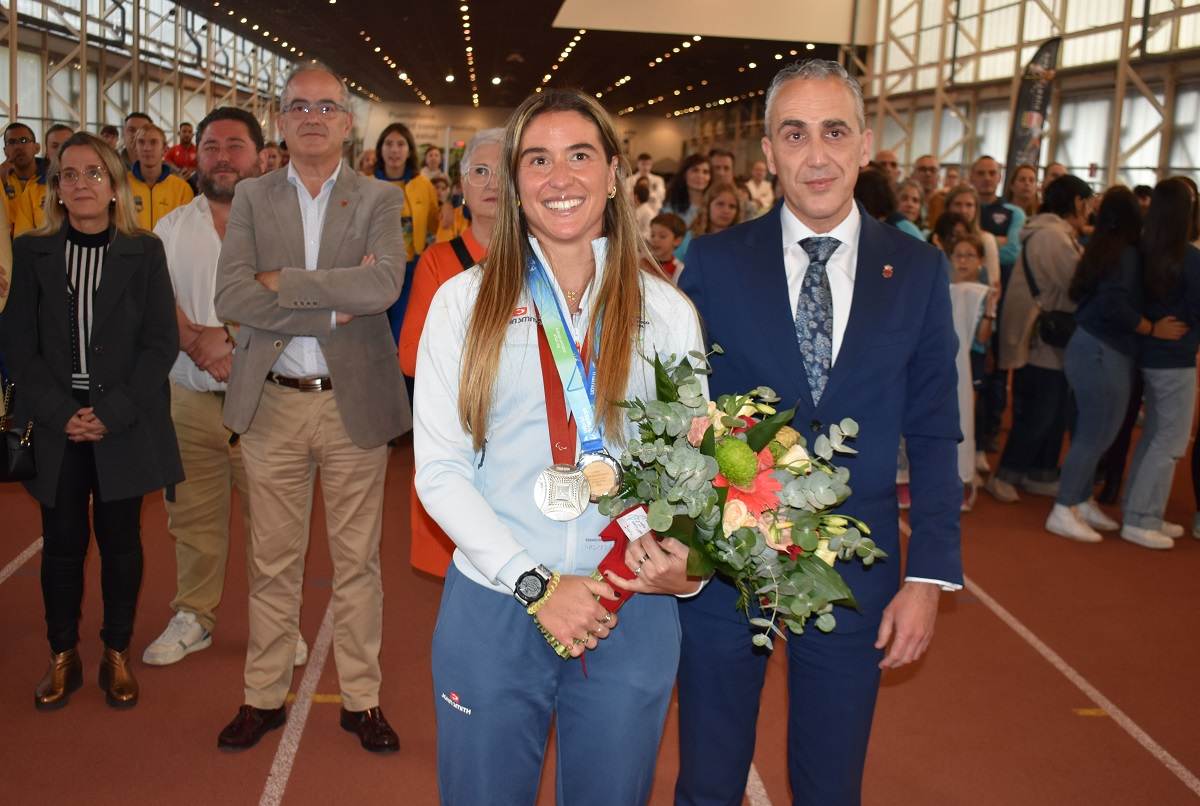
<point>117,680</point>
<point>64,676</point>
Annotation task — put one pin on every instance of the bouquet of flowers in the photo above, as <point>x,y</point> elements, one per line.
<point>738,485</point>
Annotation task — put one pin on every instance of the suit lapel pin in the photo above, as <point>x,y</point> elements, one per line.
<point>344,202</point>
<point>888,271</point>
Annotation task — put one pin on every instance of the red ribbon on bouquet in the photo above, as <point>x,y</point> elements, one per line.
<point>614,561</point>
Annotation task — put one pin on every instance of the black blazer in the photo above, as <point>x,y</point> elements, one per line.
<point>134,343</point>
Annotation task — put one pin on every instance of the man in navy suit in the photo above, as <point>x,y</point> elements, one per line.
<point>846,317</point>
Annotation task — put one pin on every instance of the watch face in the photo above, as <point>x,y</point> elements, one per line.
<point>530,586</point>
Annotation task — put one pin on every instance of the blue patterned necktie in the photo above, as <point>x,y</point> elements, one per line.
<point>814,314</point>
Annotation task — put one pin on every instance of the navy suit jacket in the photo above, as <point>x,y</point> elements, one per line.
<point>895,375</point>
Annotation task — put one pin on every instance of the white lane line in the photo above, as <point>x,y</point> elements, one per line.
<point>20,560</point>
<point>756,791</point>
<point>285,755</point>
<point>1173,764</point>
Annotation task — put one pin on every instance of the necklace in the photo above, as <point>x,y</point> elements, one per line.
<point>572,296</point>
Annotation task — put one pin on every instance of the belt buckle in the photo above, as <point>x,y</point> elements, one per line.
<point>310,384</point>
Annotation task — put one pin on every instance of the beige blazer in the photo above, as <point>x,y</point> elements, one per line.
<point>265,233</point>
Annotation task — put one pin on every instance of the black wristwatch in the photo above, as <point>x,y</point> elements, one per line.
<point>531,585</point>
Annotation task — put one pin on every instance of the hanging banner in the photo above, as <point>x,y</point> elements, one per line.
<point>1033,105</point>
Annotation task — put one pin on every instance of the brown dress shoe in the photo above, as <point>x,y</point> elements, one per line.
<point>374,732</point>
<point>250,725</point>
<point>117,680</point>
<point>64,676</point>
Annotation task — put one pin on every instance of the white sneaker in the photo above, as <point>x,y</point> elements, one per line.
<point>1094,517</point>
<point>1171,530</point>
<point>301,652</point>
<point>1001,490</point>
<point>1064,521</point>
<point>1147,538</point>
<point>182,637</point>
<point>981,462</point>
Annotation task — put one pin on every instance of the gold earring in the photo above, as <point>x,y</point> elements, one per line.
<point>612,192</point>
<point>518,202</point>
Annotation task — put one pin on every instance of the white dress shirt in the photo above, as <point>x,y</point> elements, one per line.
<point>484,499</point>
<point>840,268</point>
<point>302,358</point>
<point>192,246</point>
<point>762,194</point>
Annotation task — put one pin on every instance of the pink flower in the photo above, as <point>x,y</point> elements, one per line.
<point>696,432</point>
<point>760,496</point>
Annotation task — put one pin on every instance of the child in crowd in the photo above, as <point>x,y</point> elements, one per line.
<point>666,234</point>
<point>973,304</point>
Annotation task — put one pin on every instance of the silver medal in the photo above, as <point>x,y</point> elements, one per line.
<point>561,492</point>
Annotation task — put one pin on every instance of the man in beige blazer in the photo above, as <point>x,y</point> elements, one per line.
<point>312,258</point>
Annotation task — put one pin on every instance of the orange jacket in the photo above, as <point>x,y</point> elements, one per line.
<point>431,548</point>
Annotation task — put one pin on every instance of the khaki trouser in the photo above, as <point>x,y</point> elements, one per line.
<point>198,519</point>
<point>294,433</point>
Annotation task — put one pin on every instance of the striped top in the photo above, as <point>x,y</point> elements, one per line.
<point>85,263</point>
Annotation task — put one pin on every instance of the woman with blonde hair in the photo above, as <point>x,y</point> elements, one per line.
<point>90,336</point>
<point>512,480</point>
<point>721,210</point>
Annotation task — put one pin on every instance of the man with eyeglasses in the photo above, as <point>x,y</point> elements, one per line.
<point>29,207</point>
<point>312,260</point>
<point>926,171</point>
<point>889,165</point>
<point>22,164</point>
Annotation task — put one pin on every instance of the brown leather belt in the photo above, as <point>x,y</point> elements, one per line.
<point>303,384</point>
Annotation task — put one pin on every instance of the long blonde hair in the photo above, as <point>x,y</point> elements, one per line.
<point>619,297</point>
<point>120,210</point>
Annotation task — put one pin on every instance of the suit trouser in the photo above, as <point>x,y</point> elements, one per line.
<point>198,518</point>
<point>833,680</point>
<point>497,685</point>
<point>294,433</point>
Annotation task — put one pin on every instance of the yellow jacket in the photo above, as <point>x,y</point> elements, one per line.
<point>152,203</point>
<point>420,216</point>
<point>29,210</point>
<point>14,186</point>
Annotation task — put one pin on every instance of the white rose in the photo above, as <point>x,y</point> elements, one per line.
<point>795,455</point>
<point>735,516</point>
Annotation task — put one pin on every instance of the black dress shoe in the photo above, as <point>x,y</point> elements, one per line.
<point>374,732</point>
<point>250,725</point>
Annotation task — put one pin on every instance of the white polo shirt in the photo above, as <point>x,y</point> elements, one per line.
<point>192,246</point>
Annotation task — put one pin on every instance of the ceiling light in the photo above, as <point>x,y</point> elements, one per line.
<point>254,27</point>
<point>696,38</point>
<point>752,65</point>
<point>685,44</point>
<point>403,76</point>
<point>810,46</point>
<point>674,50</point>
<point>284,44</point>
<point>450,78</point>
<point>377,48</point>
<point>778,56</point>
<point>496,79</point>
<point>462,8</point>
<point>243,20</point>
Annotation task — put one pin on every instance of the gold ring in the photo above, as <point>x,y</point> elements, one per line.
<point>607,618</point>
<point>637,571</point>
<point>578,641</point>
<point>645,558</point>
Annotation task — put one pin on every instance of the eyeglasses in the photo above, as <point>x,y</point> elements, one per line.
<point>478,176</point>
<point>94,174</point>
<point>19,141</point>
<point>305,108</point>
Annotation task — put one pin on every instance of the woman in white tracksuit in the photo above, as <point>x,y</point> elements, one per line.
<point>491,425</point>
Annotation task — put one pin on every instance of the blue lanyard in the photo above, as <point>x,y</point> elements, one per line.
<point>578,384</point>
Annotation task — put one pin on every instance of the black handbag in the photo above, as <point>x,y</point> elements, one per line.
<point>16,446</point>
<point>1054,328</point>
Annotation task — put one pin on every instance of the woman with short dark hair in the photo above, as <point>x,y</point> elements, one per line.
<point>1041,398</point>
<point>90,336</point>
